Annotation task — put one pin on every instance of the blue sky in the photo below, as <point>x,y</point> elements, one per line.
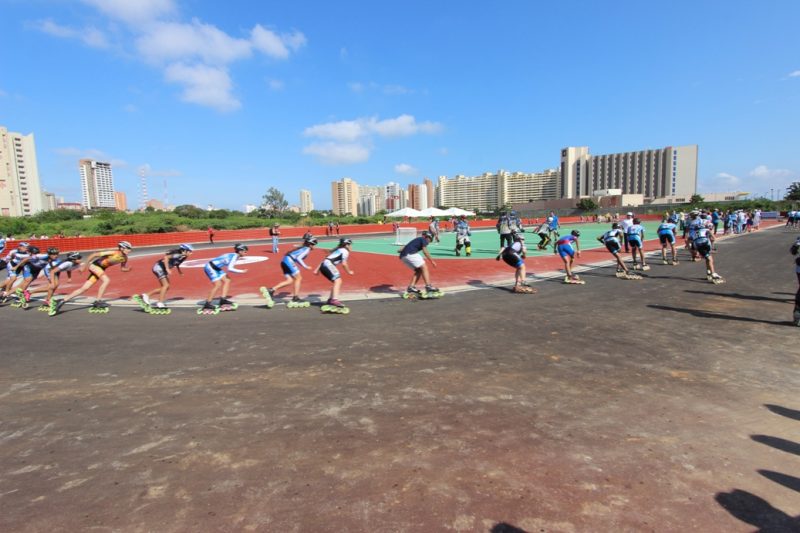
<point>223,100</point>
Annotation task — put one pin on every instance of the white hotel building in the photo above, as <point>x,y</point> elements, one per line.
<point>658,173</point>
<point>97,184</point>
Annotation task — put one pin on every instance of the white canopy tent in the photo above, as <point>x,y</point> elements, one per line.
<point>455,211</point>
<point>434,212</point>
<point>405,212</point>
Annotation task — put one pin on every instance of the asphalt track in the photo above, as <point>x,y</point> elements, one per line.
<point>666,404</point>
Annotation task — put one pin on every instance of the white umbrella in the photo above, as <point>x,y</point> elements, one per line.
<point>455,211</point>
<point>433,212</point>
<point>406,212</point>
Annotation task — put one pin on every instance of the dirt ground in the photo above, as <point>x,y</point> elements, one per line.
<point>666,404</point>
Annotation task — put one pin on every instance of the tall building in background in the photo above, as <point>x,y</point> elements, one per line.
<point>49,201</point>
<point>418,197</point>
<point>120,201</point>
<point>394,196</point>
<point>658,173</point>
<point>97,184</point>
<point>20,191</point>
<point>306,205</point>
<point>490,191</point>
<point>431,193</point>
<point>371,199</point>
<point>344,197</point>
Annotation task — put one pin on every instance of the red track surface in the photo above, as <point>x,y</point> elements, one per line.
<point>374,274</point>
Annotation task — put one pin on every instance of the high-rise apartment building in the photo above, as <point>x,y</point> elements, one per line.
<point>395,196</point>
<point>670,171</point>
<point>97,184</point>
<point>490,191</point>
<point>431,192</point>
<point>418,197</point>
<point>371,199</point>
<point>49,201</point>
<point>306,205</point>
<point>120,201</point>
<point>344,197</point>
<point>20,191</point>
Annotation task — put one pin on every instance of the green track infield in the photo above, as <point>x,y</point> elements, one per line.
<point>486,242</point>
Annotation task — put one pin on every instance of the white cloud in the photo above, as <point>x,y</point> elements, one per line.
<point>332,153</point>
<point>134,11</point>
<point>795,74</point>
<point>149,172</point>
<point>168,41</point>
<point>405,169</point>
<point>130,108</point>
<point>204,85</point>
<point>396,90</point>
<point>350,130</point>
<point>356,87</point>
<point>348,139</point>
<point>764,172</point>
<point>3,93</point>
<point>90,153</point>
<point>194,54</point>
<point>269,43</point>
<point>276,85</point>
<point>444,151</point>
<point>90,36</point>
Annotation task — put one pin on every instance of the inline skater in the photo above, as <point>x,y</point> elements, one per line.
<point>612,239</point>
<point>514,256</point>
<point>411,256</point>
<point>52,273</point>
<point>635,233</point>
<point>162,270</point>
<point>702,241</point>
<point>216,272</point>
<point>292,275</point>
<point>97,263</point>
<point>339,256</point>
<point>666,235</point>
<point>463,234</point>
<point>543,231</point>
<point>565,248</point>
<point>12,261</point>
<point>31,267</point>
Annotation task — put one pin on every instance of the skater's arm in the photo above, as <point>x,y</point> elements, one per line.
<point>347,268</point>
<point>425,251</point>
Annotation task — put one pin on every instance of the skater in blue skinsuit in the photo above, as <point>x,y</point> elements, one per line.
<point>215,270</point>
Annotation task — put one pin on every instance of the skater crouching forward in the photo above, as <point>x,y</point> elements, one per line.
<point>214,269</point>
<point>411,257</point>
<point>97,263</point>
<point>514,256</point>
<point>328,268</point>
<point>568,253</point>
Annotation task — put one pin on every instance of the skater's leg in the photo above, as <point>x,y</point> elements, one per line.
<point>337,284</point>
<point>296,285</point>
<point>226,284</point>
<point>104,281</point>
<point>424,273</point>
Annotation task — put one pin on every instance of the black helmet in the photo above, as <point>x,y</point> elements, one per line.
<point>311,241</point>
<point>124,245</point>
<point>427,235</point>
<point>575,233</point>
<point>345,242</point>
<point>637,221</point>
<point>52,251</point>
<point>239,247</point>
<point>33,250</point>
<point>74,256</point>
<point>615,225</point>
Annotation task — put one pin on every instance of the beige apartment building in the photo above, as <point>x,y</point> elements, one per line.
<point>306,205</point>
<point>490,191</point>
<point>20,190</point>
<point>669,171</point>
<point>344,197</point>
<point>120,201</point>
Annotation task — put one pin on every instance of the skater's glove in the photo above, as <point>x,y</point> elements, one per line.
<point>497,258</point>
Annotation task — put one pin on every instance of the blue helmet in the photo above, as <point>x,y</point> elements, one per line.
<point>186,247</point>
